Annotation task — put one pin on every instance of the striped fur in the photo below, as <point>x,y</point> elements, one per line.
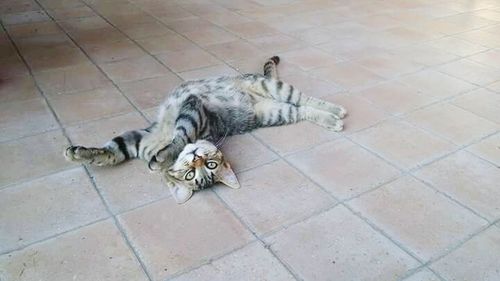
<point>211,109</point>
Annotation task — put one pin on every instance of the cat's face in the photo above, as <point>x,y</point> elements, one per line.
<point>198,166</point>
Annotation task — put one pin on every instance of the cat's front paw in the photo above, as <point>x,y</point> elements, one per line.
<point>74,153</point>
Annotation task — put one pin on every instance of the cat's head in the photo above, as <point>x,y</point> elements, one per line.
<point>198,166</point>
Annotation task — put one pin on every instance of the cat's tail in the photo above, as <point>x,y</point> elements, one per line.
<point>271,67</point>
<point>119,149</point>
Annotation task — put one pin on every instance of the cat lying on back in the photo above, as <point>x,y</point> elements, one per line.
<point>198,114</point>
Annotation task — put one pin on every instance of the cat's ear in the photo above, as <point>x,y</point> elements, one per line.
<point>227,176</point>
<point>180,192</point>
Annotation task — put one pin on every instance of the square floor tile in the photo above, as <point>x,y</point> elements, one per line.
<point>171,238</point>
<point>134,69</point>
<point>436,84</point>
<point>33,29</point>
<point>403,144</point>
<point>337,243</point>
<point>274,195</point>
<point>253,262</point>
<point>66,13</point>
<point>244,152</point>
<point>309,58</point>
<point>23,165</point>
<point>395,97</point>
<point>144,29</point>
<point>348,75</point>
<point>388,65</point>
<point>18,88</point>
<point>425,222</point>
<point>71,79</point>
<point>113,51</point>
<point>165,43</point>
<point>346,162</point>
<point>489,58</point>
<point>235,50</point>
<point>291,138</point>
<point>452,123</point>
<point>488,149</point>
<point>13,66</point>
<point>249,30</point>
<point>424,54</point>
<point>423,275</point>
<point>481,102</point>
<point>150,92</point>
<point>24,118</point>
<point>24,17</point>
<point>457,46</point>
<point>477,259</point>
<point>44,207</point>
<point>66,57</point>
<point>481,37</point>
<point>95,252</point>
<point>277,43</point>
<point>188,59</point>
<point>472,72</point>
<point>468,179</point>
<point>309,85</point>
<point>210,35</point>
<point>89,105</point>
<point>210,71</point>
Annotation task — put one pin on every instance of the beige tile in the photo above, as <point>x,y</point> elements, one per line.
<point>235,50</point>
<point>273,196</point>
<point>403,144</point>
<point>210,35</point>
<point>71,79</point>
<point>361,114</point>
<point>33,29</point>
<point>452,123</point>
<point>89,105</point>
<point>204,229</point>
<point>477,259</point>
<point>309,58</point>
<point>315,35</point>
<point>423,221</point>
<point>113,51</point>
<point>24,118</point>
<point>18,88</point>
<point>150,92</point>
<point>424,54</point>
<point>423,275</point>
<point>96,252</point>
<point>457,46</point>
<point>24,17</point>
<point>165,43</point>
<point>13,66</point>
<point>251,263</point>
<point>468,179</point>
<point>348,75</point>
<point>490,58</point>
<point>388,65</point>
<point>244,152</point>
<point>44,207</point>
<point>488,149</point>
<point>346,162</point>
<point>186,24</point>
<point>471,71</point>
<point>249,30</point>
<point>436,84</point>
<point>187,59</point>
<point>276,43</point>
<point>295,137</point>
<point>308,84</point>
<point>71,12</point>
<point>145,29</point>
<point>395,97</point>
<point>134,69</point>
<point>22,165</point>
<point>33,47</point>
<point>337,243</point>
<point>66,57</point>
<point>210,71</point>
<point>495,87</point>
<point>481,37</point>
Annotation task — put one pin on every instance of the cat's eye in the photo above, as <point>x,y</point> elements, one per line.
<point>211,165</point>
<point>189,175</point>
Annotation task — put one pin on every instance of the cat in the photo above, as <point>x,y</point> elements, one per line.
<point>197,116</point>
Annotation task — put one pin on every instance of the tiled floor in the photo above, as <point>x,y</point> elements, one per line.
<point>409,191</point>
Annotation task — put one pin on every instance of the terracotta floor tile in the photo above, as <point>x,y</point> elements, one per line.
<point>477,259</point>
<point>24,118</point>
<point>244,152</point>
<point>18,88</point>
<point>423,221</point>
<point>488,149</point>
<point>44,207</point>
<point>187,24</point>
<point>90,253</point>
<point>253,262</point>
<point>89,105</point>
<point>284,196</point>
<point>457,46</point>
<point>150,92</point>
<point>113,51</point>
<point>395,97</point>
<point>48,147</point>
<point>436,84</point>
<point>348,75</point>
<point>81,77</point>
<point>314,35</point>
<point>210,35</point>
<point>249,30</point>
<point>308,84</point>
<point>403,144</point>
<point>452,123</point>
<point>389,66</point>
<point>66,56</point>
<point>235,50</point>
<point>276,43</point>
<point>134,69</point>
<point>144,30</point>
<point>471,71</point>
<point>423,275</point>
<point>188,59</point>
<point>211,71</point>
<point>468,179</point>
<point>309,58</point>
<point>203,218</point>
<point>346,161</point>
<point>295,137</point>
<point>328,245</point>
<point>165,43</point>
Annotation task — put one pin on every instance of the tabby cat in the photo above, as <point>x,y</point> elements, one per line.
<point>196,116</point>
